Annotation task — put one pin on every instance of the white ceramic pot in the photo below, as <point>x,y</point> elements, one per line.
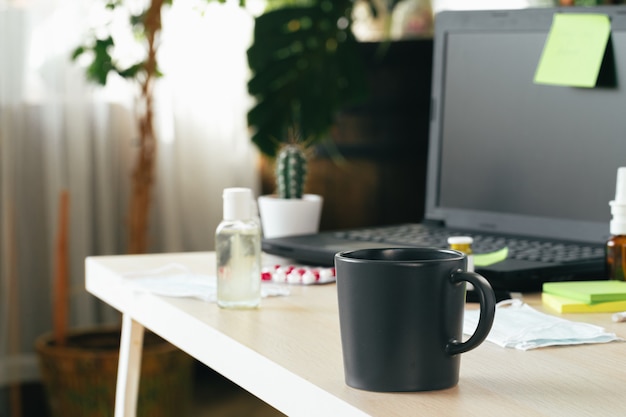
<point>286,217</point>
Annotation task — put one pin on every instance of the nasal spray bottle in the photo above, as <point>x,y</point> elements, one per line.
<point>616,245</point>
<point>238,252</point>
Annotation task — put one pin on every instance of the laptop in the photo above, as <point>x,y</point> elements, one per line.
<point>511,163</point>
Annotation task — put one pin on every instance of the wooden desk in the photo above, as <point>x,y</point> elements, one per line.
<point>288,353</point>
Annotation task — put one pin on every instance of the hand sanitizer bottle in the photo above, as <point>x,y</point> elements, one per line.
<point>238,252</point>
<point>616,245</point>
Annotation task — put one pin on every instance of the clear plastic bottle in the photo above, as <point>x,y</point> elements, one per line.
<point>238,252</point>
<point>616,245</point>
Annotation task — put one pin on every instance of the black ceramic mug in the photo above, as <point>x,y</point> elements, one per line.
<point>401,317</point>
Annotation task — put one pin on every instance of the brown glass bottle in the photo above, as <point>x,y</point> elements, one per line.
<point>616,245</point>
<point>616,257</point>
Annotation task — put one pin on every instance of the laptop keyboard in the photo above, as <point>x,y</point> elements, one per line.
<point>523,249</point>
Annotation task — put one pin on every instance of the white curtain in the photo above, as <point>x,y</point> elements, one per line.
<point>59,132</point>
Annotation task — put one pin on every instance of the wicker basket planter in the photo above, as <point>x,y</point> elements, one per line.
<point>80,376</point>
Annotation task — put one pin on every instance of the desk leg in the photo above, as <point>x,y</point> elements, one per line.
<point>129,368</point>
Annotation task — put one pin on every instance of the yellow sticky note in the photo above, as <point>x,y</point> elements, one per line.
<point>573,52</point>
<point>567,305</point>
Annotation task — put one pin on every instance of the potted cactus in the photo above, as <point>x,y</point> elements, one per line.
<point>290,211</point>
<point>305,67</point>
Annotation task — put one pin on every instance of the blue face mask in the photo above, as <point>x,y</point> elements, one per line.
<point>176,280</point>
<point>519,326</point>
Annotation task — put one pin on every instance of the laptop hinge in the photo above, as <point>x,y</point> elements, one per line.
<point>433,223</point>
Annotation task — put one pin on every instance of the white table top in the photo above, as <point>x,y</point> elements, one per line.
<point>288,353</point>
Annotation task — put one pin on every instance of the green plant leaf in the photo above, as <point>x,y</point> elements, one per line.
<point>305,68</point>
<point>78,52</point>
<point>102,62</point>
<point>131,71</point>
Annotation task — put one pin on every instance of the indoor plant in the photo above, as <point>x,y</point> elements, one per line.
<point>79,367</point>
<point>101,47</point>
<point>290,211</point>
<point>99,50</point>
<point>306,67</point>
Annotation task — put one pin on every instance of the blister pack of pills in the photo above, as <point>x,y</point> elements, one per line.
<point>298,274</point>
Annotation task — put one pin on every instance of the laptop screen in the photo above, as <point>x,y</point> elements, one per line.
<point>511,156</point>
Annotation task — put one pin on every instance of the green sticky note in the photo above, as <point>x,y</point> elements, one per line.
<point>588,291</point>
<point>573,52</point>
<point>486,259</point>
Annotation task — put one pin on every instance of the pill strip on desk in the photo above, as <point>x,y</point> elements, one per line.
<point>298,274</point>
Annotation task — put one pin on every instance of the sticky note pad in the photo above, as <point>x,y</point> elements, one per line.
<point>567,305</point>
<point>572,55</point>
<point>588,291</point>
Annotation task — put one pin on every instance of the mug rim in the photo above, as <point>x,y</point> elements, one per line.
<point>454,255</point>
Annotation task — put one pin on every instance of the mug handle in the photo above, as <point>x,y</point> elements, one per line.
<point>487,301</point>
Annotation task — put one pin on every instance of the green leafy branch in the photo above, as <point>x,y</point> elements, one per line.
<point>306,66</point>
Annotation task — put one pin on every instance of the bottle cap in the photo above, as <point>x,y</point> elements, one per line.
<point>620,186</point>
<point>618,206</point>
<point>460,240</point>
<point>237,203</point>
